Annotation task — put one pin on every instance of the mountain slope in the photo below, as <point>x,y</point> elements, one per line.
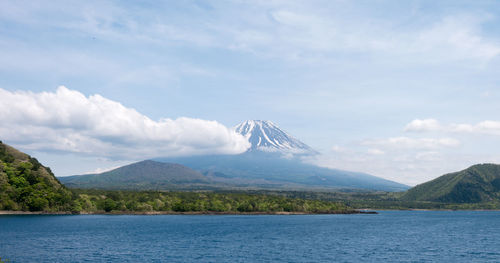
<point>141,175</point>
<point>265,136</point>
<point>478,183</point>
<point>273,160</point>
<point>25,184</point>
<point>270,170</point>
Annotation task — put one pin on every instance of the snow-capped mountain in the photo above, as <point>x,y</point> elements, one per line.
<point>274,161</point>
<point>266,136</point>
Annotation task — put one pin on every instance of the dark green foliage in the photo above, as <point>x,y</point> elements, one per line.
<point>382,200</point>
<point>135,201</point>
<point>37,203</point>
<point>35,163</point>
<point>109,205</point>
<point>476,184</point>
<point>27,185</point>
<point>4,156</point>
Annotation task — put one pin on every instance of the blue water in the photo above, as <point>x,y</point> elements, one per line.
<point>397,236</point>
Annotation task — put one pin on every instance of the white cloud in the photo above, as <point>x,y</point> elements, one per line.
<point>70,122</point>
<point>401,159</point>
<point>408,167</point>
<point>376,152</point>
<point>458,37</point>
<point>101,170</point>
<point>309,33</point>
<point>414,160</point>
<point>338,149</point>
<point>431,125</point>
<point>413,143</point>
<point>486,94</point>
<point>484,127</point>
<point>286,29</point>
<point>423,125</point>
<point>428,156</point>
<point>401,165</point>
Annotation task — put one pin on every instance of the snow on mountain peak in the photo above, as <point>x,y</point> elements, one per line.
<point>266,136</point>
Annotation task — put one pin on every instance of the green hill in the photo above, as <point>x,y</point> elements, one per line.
<point>476,184</point>
<point>25,184</point>
<point>147,174</point>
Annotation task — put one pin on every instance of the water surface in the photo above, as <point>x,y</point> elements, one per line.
<point>402,236</point>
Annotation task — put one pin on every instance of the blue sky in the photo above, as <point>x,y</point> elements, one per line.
<point>405,90</point>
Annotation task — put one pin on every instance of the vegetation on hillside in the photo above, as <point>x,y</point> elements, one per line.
<point>27,185</point>
<point>476,184</point>
<point>380,200</point>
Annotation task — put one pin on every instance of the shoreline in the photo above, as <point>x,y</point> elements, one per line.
<point>426,209</point>
<point>350,212</point>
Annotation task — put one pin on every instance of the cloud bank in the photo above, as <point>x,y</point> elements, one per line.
<point>489,127</point>
<point>413,159</point>
<point>413,143</point>
<point>408,160</point>
<point>68,121</point>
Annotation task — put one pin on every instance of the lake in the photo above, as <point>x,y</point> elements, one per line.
<point>399,236</point>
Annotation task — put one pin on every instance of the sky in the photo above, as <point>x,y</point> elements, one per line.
<point>404,90</point>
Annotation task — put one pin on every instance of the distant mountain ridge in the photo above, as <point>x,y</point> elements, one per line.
<point>478,183</point>
<point>225,172</point>
<point>271,170</point>
<point>266,136</point>
<point>146,174</point>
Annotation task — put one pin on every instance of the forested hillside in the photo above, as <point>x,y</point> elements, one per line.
<point>476,184</point>
<point>25,184</point>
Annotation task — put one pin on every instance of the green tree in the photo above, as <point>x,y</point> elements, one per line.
<point>37,203</point>
<point>109,205</point>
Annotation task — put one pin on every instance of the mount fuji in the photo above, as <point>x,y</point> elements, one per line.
<point>273,161</point>
<point>266,136</point>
